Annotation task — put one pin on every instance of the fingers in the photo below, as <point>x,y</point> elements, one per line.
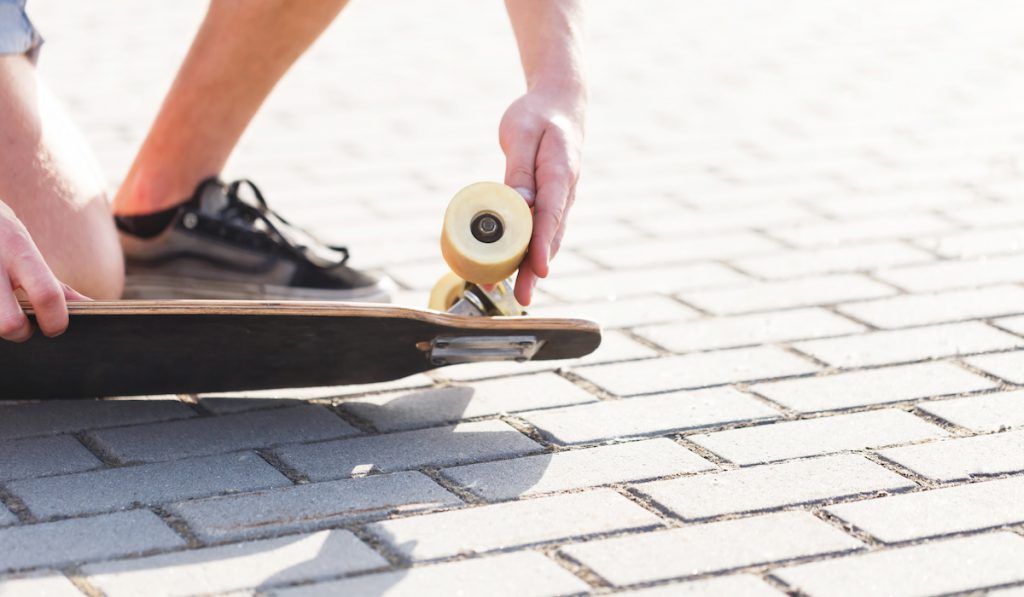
<point>526,281</point>
<point>520,157</point>
<point>14,326</point>
<point>548,213</point>
<point>44,292</point>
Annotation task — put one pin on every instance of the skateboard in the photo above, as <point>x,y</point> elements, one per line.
<point>127,348</point>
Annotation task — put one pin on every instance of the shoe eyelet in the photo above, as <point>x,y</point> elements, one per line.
<point>190,220</point>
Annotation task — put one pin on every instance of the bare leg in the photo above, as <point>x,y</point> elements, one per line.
<point>50,179</point>
<point>242,49</point>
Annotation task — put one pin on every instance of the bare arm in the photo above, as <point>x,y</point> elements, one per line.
<point>541,133</point>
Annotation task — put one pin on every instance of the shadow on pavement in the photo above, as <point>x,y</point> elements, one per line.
<point>265,528</point>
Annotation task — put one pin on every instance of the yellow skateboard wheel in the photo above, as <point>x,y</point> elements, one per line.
<point>487,229</point>
<point>446,292</point>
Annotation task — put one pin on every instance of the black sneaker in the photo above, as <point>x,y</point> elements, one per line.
<point>223,244</point>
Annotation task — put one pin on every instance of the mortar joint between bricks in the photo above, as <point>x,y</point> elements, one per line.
<point>81,582</point>
<point>16,506</point>
<point>834,309</point>
<point>846,527</point>
<point>338,408</point>
<point>704,453</point>
<point>669,518</point>
<point>787,412</point>
<point>955,430</point>
<point>379,545</point>
<point>178,525</point>
<point>105,456</point>
<point>895,467</point>
<point>460,492</point>
<point>681,301</point>
<point>577,568</point>
<point>805,356</point>
<point>1004,384</point>
<point>527,429</point>
<point>657,348</point>
<point>587,386</point>
<point>280,466</point>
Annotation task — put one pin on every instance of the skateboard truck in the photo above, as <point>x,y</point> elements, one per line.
<point>499,301</point>
<point>478,302</point>
<point>452,350</point>
<point>486,232</point>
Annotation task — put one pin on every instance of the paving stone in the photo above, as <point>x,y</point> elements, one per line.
<point>389,412</point>
<point>1013,324</point>
<point>944,275</point>
<point>604,285</point>
<point>872,386</point>
<point>984,241</point>
<point>912,200</point>
<point>849,231</point>
<point>310,507</point>
<point>33,457</point>
<point>6,516</point>
<point>981,414</point>
<point>511,524</point>
<point>625,312</point>
<point>980,214</point>
<point>963,457</point>
<point>148,484</point>
<point>938,511</point>
<point>83,539</point>
<point>749,330</point>
<point>521,574</point>
<point>712,547</point>
<point>438,446</point>
<point>210,435</point>
<point>647,415</point>
<point>923,309</point>
<point>238,566</point>
<point>772,486</point>
<point>576,469</point>
<point>696,370</point>
<point>40,584</point>
<point>680,249</point>
<point>809,437</point>
<point>62,416</point>
<point>851,258</point>
<point>767,296</point>
<point>725,220</point>
<point>940,567</point>
<point>1005,365</point>
<point>615,346</point>
<point>231,402</point>
<point>740,585</point>
<point>900,346</point>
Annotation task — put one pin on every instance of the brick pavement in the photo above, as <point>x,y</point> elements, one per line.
<point>813,207</point>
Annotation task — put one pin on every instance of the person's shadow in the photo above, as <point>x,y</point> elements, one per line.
<point>269,518</point>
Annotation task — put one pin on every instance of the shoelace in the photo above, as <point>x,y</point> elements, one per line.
<point>290,236</point>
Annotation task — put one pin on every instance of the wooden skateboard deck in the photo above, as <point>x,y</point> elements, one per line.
<point>126,348</point>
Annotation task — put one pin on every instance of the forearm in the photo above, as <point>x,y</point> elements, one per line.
<point>550,38</point>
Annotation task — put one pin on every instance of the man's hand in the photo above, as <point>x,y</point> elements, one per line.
<point>24,272</point>
<point>541,134</point>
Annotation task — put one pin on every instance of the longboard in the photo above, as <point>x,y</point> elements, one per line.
<point>126,348</point>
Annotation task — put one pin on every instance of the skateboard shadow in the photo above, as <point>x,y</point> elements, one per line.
<point>422,435</point>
